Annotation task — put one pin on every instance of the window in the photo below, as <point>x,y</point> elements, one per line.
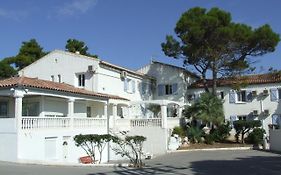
<point>129,85</point>
<point>3,109</point>
<point>241,96</point>
<point>146,89</point>
<point>276,119</point>
<point>89,111</point>
<point>167,89</point>
<point>220,95</point>
<point>30,109</point>
<point>59,78</point>
<point>52,78</point>
<point>81,80</point>
<point>242,117</point>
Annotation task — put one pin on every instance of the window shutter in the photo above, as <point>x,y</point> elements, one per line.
<point>273,94</point>
<point>160,89</point>
<point>133,86</point>
<point>175,88</point>
<point>232,96</point>
<point>275,119</point>
<point>143,88</point>
<point>125,85</point>
<point>249,96</point>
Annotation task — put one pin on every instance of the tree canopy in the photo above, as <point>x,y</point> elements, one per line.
<point>74,45</point>
<point>211,41</point>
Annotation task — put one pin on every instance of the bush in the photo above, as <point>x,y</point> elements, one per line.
<point>221,133</point>
<point>243,127</point>
<point>195,134</point>
<point>179,131</point>
<point>256,136</point>
<point>209,139</point>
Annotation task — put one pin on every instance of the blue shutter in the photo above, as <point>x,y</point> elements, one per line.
<point>143,88</point>
<point>232,97</point>
<point>273,94</point>
<point>160,89</point>
<point>133,86</point>
<point>125,85</point>
<point>175,88</point>
<point>249,96</point>
<point>232,119</point>
<point>275,119</point>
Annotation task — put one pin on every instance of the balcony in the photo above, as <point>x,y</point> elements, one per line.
<point>32,123</point>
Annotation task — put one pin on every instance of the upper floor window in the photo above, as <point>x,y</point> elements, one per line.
<point>129,85</point>
<point>3,109</point>
<point>275,94</point>
<point>240,96</point>
<point>146,88</point>
<point>167,89</point>
<point>81,80</point>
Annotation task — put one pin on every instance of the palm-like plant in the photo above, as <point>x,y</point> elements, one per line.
<point>208,108</point>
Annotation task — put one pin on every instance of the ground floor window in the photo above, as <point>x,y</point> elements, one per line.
<point>3,109</point>
<point>242,117</point>
<point>89,111</point>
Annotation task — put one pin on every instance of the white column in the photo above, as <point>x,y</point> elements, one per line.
<point>180,109</point>
<point>164,116</point>
<point>70,110</point>
<point>114,114</point>
<point>18,95</point>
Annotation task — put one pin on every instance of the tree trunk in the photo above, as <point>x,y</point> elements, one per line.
<point>214,85</point>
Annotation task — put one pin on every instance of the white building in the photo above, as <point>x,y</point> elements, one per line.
<point>64,94</point>
<point>257,99</point>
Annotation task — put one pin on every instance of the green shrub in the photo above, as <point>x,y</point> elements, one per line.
<point>243,127</point>
<point>256,136</point>
<point>209,139</point>
<point>221,133</point>
<point>195,134</point>
<point>179,131</point>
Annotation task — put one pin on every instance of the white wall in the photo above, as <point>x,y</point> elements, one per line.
<point>32,145</point>
<point>169,75</point>
<point>65,64</point>
<point>275,140</point>
<point>8,146</point>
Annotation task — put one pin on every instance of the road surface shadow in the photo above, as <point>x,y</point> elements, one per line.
<point>255,165</point>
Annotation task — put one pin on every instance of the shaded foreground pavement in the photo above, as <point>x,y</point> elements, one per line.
<point>237,162</point>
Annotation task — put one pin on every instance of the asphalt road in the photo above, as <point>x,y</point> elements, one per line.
<point>248,162</point>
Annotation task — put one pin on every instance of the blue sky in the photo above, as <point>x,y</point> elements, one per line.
<point>124,32</point>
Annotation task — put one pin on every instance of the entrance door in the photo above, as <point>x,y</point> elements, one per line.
<point>51,148</point>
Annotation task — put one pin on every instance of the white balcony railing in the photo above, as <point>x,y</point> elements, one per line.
<point>89,122</point>
<point>61,122</point>
<point>45,122</point>
<point>155,122</point>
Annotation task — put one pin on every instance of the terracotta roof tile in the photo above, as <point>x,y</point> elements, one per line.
<point>250,79</point>
<point>44,84</point>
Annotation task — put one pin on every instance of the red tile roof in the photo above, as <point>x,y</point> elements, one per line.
<point>44,84</point>
<point>248,80</point>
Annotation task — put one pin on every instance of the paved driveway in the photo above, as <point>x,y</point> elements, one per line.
<point>189,163</point>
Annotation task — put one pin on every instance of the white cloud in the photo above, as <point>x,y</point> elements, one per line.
<point>13,15</point>
<point>76,7</point>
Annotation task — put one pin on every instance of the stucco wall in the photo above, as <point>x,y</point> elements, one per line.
<point>8,146</point>
<point>64,64</point>
<point>169,75</point>
<point>32,145</point>
<point>275,140</point>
